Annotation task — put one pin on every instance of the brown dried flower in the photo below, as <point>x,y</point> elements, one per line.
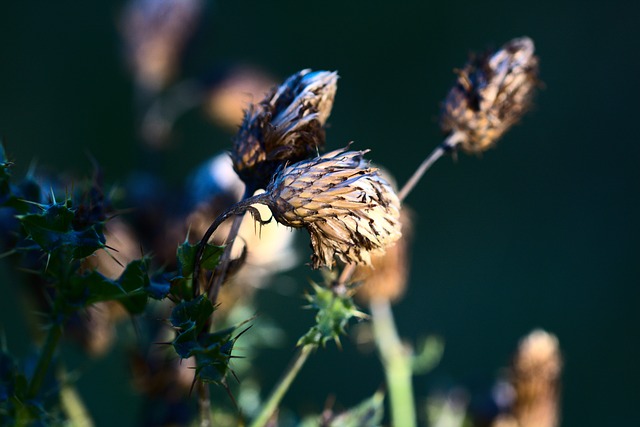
<point>349,210</point>
<point>286,127</point>
<point>386,277</point>
<point>535,378</point>
<point>491,94</point>
<point>155,33</point>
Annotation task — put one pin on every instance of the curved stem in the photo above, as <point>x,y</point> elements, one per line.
<point>397,364</point>
<point>447,145</point>
<point>46,355</point>
<point>281,388</point>
<point>239,208</point>
<point>221,271</point>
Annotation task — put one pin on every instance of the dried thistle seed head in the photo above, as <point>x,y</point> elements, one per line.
<point>155,33</point>
<point>386,277</point>
<point>286,127</point>
<point>227,101</point>
<point>491,94</point>
<point>536,379</point>
<point>349,210</point>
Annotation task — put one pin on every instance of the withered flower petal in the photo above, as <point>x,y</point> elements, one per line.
<point>491,94</point>
<point>349,210</point>
<point>286,127</point>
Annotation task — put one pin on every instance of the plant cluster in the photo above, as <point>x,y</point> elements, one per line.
<point>85,266</point>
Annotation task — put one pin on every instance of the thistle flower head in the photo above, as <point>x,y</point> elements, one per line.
<point>155,33</point>
<point>491,94</point>
<point>535,375</point>
<point>286,127</point>
<point>349,210</point>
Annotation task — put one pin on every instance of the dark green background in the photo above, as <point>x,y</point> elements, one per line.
<point>540,232</point>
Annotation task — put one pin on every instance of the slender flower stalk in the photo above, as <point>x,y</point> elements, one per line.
<point>46,355</point>
<point>204,404</point>
<point>283,385</point>
<point>396,359</point>
<point>448,145</point>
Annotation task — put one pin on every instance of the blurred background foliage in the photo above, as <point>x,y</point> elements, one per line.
<point>541,232</point>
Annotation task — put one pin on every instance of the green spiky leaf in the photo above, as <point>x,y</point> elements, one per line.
<point>334,312</point>
<point>213,355</point>
<point>53,229</point>
<point>131,289</point>
<point>190,313</point>
<point>187,257</point>
<point>190,318</point>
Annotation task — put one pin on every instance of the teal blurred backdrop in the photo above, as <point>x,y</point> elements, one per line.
<point>542,231</point>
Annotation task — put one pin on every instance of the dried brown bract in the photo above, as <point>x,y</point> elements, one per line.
<point>491,94</point>
<point>349,210</point>
<point>386,277</point>
<point>286,127</point>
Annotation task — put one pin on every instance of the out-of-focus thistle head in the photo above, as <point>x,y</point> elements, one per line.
<point>155,33</point>
<point>286,127</point>
<point>491,94</point>
<point>535,382</point>
<point>536,379</point>
<point>349,209</point>
<point>386,277</point>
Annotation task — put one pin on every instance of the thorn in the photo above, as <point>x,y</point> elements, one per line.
<point>233,400</point>
<point>245,330</point>
<point>234,375</point>
<point>112,248</point>
<point>111,255</point>
<point>193,383</point>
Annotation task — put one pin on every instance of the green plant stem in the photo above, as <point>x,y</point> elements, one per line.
<point>396,360</point>
<point>46,355</point>
<point>74,407</point>
<point>283,385</point>
<point>204,404</point>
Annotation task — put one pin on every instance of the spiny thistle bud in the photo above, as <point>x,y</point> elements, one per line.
<point>349,210</point>
<point>286,127</point>
<point>491,94</point>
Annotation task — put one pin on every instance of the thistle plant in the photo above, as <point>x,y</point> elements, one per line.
<point>83,258</point>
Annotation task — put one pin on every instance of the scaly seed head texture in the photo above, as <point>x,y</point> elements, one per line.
<point>350,211</point>
<point>491,94</point>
